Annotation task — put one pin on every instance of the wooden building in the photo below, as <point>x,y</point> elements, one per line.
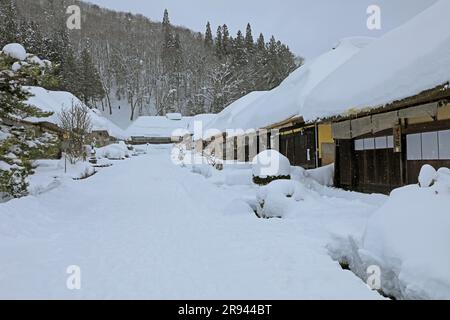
<point>385,148</point>
<point>308,145</point>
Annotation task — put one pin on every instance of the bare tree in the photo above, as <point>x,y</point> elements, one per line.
<point>76,123</point>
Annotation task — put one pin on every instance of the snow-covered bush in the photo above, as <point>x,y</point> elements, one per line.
<point>278,198</point>
<point>81,170</point>
<point>77,124</point>
<point>115,151</point>
<point>408,239</point>
<point>270,165</point>
<point>427,176</point>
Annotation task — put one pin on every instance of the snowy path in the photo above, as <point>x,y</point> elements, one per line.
<point>145,228</point>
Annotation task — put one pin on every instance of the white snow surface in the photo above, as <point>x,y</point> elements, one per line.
<point>133,239</point>
<point>15,50</point>
<point>404,62</point>
<point>56,101</point>
<point>261,109</point>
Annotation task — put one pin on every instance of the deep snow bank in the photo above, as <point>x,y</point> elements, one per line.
<point>408,239</point>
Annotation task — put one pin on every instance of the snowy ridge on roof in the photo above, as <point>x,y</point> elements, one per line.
<point>228,117</point>
<point>404,62</point>
<point>259,110</point>
<point>56,101</point>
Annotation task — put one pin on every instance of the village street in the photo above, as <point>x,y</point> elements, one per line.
<point>146,228</point>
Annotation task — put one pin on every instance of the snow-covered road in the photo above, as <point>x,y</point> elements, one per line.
<point>146,228</point>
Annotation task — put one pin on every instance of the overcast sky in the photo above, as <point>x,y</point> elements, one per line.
<point>309,27</point>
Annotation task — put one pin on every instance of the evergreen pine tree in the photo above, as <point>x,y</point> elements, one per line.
<point>9,30</point>
<point>249,43</point>
<point>226,41</point>
<point>219,46</point>
<point>261,43</point>
<point>208,36</point>
<point>13,181</point>
<point>90,85</point>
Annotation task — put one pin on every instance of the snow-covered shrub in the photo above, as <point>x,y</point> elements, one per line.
<point>77,124</point>
<point>270,165</point>
<point>277,198</point>
<point>81,170</point>
<point>427,176</point>
<point>115,151</point>
<point>408,239</point>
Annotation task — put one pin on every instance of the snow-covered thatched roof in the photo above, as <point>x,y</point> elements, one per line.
<point>406,61</point>
<point>262,109</point>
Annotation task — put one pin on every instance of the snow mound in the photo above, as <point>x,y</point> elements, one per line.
<point>15,51</point>
<point>408,238</point>
<point>279,198</point>
<point>404,62</point>
<point>427,176</point>
<point>116,151</point>
<point>16,66</point>
<point>270,163</point>
<point>322,175</point>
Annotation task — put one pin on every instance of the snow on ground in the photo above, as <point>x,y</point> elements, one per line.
<point>407,239</point>
<point>56,101</point>
<point>405,61</point>
<point>50,174</point>
<point>146,228</point>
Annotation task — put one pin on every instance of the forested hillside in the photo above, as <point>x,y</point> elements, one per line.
<point>146,67</point>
